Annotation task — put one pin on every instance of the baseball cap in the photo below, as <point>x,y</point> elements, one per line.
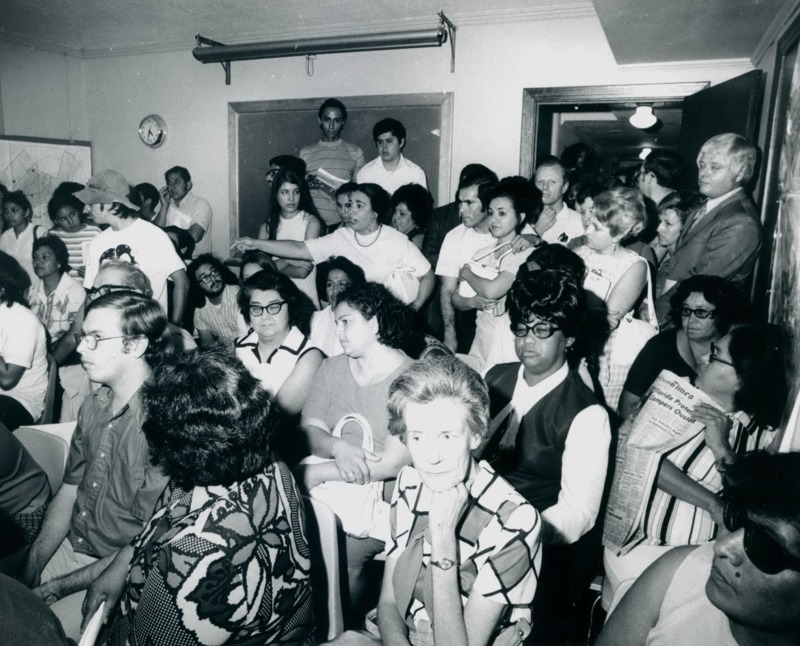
<point>106,187</point>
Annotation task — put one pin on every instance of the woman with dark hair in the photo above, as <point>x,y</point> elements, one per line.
<point>379,250</point>
<point>371,326</point>
<point>673,211</point>
<point>705,307</point>
<point>57,297</point>
<point>17,239</point>
<point>293,216</point>
<point>70,225</point>
<point>340,275</point>
<point>254,261</point>
<point>551,437</point>
<point>224,558</point>
<point>511,204</point>
<point>23,351</point>
<point>746,376</point>
<point>277,350</point>
<point>411,208</point>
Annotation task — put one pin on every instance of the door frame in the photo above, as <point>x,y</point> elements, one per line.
<point>534,98</point>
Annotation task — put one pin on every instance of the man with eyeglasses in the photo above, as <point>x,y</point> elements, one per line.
<point>217,318</point>
<point>110,487</point>
<point>744,588</point>
<point>551,439</point>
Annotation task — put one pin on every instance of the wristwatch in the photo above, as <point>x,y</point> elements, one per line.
<point>443,564</point>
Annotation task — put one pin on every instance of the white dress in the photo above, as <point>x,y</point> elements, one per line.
<point>295,229</point>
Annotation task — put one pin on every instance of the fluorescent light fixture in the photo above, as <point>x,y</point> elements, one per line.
<point>645,153</point>
<point>643,118</point>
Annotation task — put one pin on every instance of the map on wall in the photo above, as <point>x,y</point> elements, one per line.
<point>37,166</point>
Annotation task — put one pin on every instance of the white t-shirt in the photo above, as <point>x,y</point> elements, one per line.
<point>142,244</point>
<point>23,343</point>
<point>407,172</point>
<point>192,210</point>
<point>458,248</point>
<point>568,225</point>
<point>389,251</point>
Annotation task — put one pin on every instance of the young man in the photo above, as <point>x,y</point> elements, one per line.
<point>182,208</point>
<point>742,589</point>
<point>660,176</point>
<point>218,319</point>
<point>131,238</point>
<point>110,487</point>
<point>723,236</point>
<point>557,223</point>
<point>390,169</point>
<point>333,155</point>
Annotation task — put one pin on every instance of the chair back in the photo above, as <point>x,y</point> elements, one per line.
<point>323,532</point>
<point>49,446</point>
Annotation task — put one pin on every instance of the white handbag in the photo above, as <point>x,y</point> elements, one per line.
<point>631,335</point>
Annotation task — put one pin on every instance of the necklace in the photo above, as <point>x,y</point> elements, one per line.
<point>369,244</point>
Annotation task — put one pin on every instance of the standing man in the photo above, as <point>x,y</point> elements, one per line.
<point>390,169</point>
<point>557,223</point>
<point>460,244</point>
<point>110,487</point>
<point>182,208</point>
<point>331,155</point>
<point>660,176</point>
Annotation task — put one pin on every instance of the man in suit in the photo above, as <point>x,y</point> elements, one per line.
<point>723,237</point>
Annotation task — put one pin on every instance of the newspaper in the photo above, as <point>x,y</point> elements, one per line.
<point>662,422</point>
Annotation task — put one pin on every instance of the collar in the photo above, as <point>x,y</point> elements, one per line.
<point>401,163</point>
<point>294,343</point>
<point>715,202</point>
<point>535,393</point>
<point>105,400</point>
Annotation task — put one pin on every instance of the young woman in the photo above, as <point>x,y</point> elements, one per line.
<point>340,274</point>
<point>69,224</point>
<point>511,204</point>
<point>17,240</point>
<point>293,216</point>
<point>411,208</point>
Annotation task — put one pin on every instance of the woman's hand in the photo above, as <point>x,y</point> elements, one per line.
<point>718,427</point>
<point>351,462</point>
<point>108,587</point>
<point>446,510</point>
<point>465,273</point>
<point>520,244</point>
<point>481,303</point>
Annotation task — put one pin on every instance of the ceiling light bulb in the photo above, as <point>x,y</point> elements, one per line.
<point>645,152</point>
<point>643,117</point>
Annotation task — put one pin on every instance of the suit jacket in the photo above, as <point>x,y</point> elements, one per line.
<point>725,242</point>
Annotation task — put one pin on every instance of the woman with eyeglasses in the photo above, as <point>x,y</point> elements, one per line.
<point>277,350</point>
<point>745,375</point>
<point>744,588</point>
<point>705,308</point>
<point>550,436</point>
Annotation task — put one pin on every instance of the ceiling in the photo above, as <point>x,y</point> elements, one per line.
<point>638,31</point>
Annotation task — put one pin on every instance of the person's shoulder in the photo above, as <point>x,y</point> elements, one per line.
<point>456,234</point>
<point>346,145</point>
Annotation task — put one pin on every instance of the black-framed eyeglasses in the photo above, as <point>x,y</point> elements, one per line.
<point>207,278</point>
<point>761,548</point>
<point>715,357</point>
<point>698,313</point>
<point>91,340</point>
<point>96,292</point>
<point>272,308</point>
<point>540,330</point>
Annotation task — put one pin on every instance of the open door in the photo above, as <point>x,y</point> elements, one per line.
<point>732,106</point>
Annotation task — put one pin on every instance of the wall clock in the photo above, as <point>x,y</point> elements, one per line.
<point>152,131</point>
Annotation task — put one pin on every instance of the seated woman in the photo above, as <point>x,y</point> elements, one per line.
<point>379,250</point>
<point>742,589</point>
<point>254,261</point>
<point>551,437</point>
<point>511,204</point>
<point>745,376</point>
<point>23,351</point>
<point>58,296</point>
<point>224,558</point>
<point>277,350</point>
<point>340,274</point>
<point>463,558</point>
<point>411,208</point>
<point>17,239</point>
<point>370,323</point>
<point>704,307</point>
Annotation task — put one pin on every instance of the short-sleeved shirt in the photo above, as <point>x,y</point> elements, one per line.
<point>221,564</point>
<point>21,247</point>
<point>117,485</point>
<point>192,210</point>
<point>57,310</point>
<point>23,342</point>
<point>458,248</point>
<point>499,553</point>
<point>223,320</point>
<point>568,226</point>
<point>659,353</point>
<point>407,172</point>
<point>77,244</point>
<point>389,251</point>
<point>339,158</point>
<point>142,244</point>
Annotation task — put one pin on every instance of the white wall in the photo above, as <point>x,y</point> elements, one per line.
<point>493,65</point>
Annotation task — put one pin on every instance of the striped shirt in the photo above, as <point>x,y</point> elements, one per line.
<point>224,321</point>
<point>77,244</point>
<point>339,158</point>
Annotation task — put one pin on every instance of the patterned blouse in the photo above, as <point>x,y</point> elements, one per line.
<point>498,547</point>
<point>221,565</point>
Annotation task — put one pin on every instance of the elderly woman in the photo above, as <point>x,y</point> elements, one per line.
<point>371,325</point>
<point>463,559</point>
<point>378,249</point>
<point>224,558</point>
<point>340,274</point>
<point>277,350</point>
<point>411,209</point>
<point>745,376</point>
<point>704,307</point>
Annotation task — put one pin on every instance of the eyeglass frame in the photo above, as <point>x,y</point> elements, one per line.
<point>778,559</point>
<point>261,308</point>
<point>92,345</point>
<point>712,357</point>
<point>207,278</point>
<point>532,328</point>
<point>700,314</point>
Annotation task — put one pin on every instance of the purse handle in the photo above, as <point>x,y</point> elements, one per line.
<point>367,442</point>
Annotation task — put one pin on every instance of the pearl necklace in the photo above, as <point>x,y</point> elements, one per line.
<point>369,244</point>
